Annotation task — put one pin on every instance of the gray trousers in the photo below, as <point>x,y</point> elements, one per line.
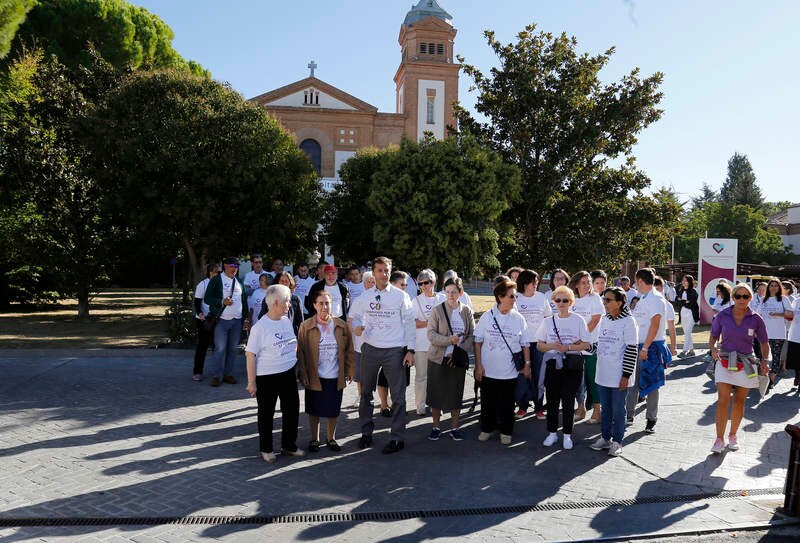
<point>391,360</point>
<point>633,398</point>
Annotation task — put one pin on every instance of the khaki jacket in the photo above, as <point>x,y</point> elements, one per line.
<point>439,334</point>
<point>308,352</point>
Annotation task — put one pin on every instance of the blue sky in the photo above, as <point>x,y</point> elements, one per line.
<point>730,68</point>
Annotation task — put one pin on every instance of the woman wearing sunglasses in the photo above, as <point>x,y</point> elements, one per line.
<point>617,354</point>
<point>737,368</point>
<point>423,304</point>
<point>590,307</point>
<point>563,334</point>
<point>500,337</point>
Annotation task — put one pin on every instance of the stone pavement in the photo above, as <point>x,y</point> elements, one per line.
<point>126,433</point>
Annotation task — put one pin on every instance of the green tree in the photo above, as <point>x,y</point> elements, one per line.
<point>188,161</point>
<point>453,193</point>
<point>46,185</point>
<point>348,222</point>
<point>707,194</point>
<point>548,112</point>
<point>740,186</point>
<point>12,14</point>
<point>770,209</point>
<point>125,35</point>
<point>757,244</point>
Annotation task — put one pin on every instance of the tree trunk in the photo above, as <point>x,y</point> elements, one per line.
<point>83,303</point>
<point>197,272</point>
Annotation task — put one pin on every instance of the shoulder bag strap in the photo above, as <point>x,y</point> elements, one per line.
<point>556,329</point>
<point>447,318</point>
<point>501,332</point>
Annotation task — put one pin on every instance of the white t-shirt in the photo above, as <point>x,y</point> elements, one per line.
<point>670,311</point>
<point>587,307</point>
<point>422,312</point>
<point>650,305</point>
<point>411,288</point>
<point>274,344</point>
<point>233,311</point>
<point>251,280</point>
<point>355,289</point>
<point>614,336</point>
<point>776,326</point>
<point>495,355</point>
<point>632,293</point>
<point>534,308</point>
<point>328,353</point>
<point>457,324</point>
<point>571,329</point>
<point>336,299</point>
<point>719,306</point>
<point>465,299</point>
<point>301,291</point>
<point>794,328</point>
<point>200,292</point>
<point>255,303</point>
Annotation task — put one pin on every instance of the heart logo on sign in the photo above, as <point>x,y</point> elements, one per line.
<point>718,247</point>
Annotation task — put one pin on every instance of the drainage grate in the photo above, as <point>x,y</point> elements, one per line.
<point>323,518</point>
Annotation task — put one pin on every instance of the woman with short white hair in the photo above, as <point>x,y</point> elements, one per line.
<point>271,354</point>
<point>423,304</point>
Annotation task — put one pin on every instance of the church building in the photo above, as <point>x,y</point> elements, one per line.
<point>330,125</point>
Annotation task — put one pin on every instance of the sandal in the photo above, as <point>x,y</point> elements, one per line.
<point>332,445</point>
<point>313,446</point>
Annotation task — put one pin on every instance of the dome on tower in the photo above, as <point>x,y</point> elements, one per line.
<point>427,8</point>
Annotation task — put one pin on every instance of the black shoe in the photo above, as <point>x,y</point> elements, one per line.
<point>393,446</point>
<point>364,442</point>
<point>313,446</point>
<point>386,413</point>
<point>332,445</point>
<point>650,427</point>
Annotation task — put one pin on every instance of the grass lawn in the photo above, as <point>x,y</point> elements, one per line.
<point>118,318</point>
<point>133,318</point>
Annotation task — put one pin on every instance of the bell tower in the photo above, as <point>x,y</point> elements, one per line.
<point>427,78</point>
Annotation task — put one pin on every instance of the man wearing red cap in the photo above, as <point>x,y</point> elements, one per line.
<point>340,296</point>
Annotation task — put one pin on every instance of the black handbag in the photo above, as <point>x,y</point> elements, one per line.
<point>460,357</point>
<point>518,358</point>
<point>572,361</point>
<point>210,322</point>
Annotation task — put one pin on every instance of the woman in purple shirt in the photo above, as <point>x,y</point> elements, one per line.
<point>737,368</point>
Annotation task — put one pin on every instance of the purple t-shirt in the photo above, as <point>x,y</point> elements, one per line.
<point>738,338</point>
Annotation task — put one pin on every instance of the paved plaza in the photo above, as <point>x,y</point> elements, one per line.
<point>114,434</point>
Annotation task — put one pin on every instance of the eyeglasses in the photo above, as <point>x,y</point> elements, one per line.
<point>404,285</point>
<point>740,296</point>
<point>423,283</point>
<point>562,300</point>
<point>511,296</point>
<point>609,300</point>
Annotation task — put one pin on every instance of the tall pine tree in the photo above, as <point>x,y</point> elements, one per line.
<point>741,186</point>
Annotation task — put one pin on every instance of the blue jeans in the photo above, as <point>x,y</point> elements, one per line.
<point>226,344</point>
<point>612,402</point>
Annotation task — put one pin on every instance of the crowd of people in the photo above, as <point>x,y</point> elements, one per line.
<point>581,345</point>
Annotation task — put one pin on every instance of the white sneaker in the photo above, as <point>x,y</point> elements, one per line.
<point>600,444</point>
<point>615,449</point>
<point>551,439</point>
<point>484,436</point>
<point>718,446</point>
<point>270,458</point>
<point>505,439</point>
<point>567,441</point>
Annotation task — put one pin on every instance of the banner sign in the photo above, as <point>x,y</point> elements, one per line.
<point>717,260</point>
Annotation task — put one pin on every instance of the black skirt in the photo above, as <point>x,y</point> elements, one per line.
<point>326,403</point>
<point>793,356</point>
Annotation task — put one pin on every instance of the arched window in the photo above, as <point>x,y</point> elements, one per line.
<point>314,151</point>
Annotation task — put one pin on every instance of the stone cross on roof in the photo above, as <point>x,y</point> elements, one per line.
<point>312,66</point>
